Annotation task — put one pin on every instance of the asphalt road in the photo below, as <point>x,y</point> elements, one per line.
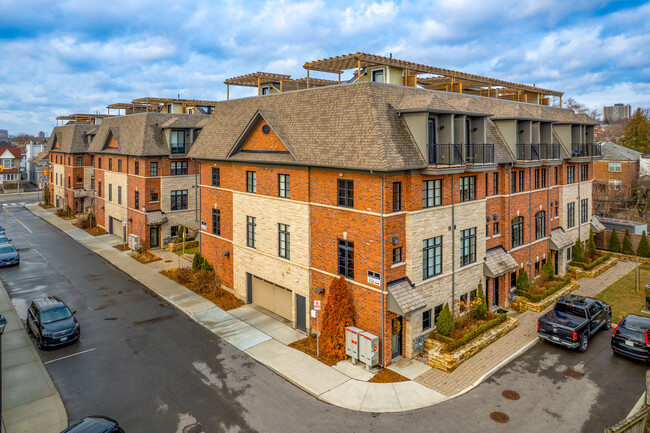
<point>147,365</point>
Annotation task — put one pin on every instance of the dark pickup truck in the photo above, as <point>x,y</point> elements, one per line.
<point>573,320</point>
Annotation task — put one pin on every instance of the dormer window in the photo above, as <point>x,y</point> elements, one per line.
<point>178,141</point>
<point>265,90</point>
<point>378,76</point>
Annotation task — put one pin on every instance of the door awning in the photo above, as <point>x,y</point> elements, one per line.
<point>404,299</point>
<point>498,262</point>
<point>559,239</point>
<point>596,225</point>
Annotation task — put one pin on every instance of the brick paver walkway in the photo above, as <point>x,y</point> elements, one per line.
<point>473,369</point>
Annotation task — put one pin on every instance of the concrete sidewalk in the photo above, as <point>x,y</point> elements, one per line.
<point>345,385</point>
<point>30,401</point>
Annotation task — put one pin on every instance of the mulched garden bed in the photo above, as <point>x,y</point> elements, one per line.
<point>388,376</point>
<point>204,283</point>
<point>308,346</point>
<point>145,257</point>
<point>122,247</point>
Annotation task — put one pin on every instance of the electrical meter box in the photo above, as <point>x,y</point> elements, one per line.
<point>352,342</point>
<point>134,242</point>
<point>368,349</point>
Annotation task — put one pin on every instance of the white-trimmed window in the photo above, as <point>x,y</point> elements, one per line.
<point>614,167</point>
<point>378,76</point>
<point>615,184</point>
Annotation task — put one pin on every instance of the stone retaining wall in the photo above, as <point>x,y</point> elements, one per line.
<point>577,272</point>
<point>521,303</point>
<point>175,246</point>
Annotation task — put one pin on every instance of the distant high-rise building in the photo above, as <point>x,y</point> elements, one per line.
<point>616,113</point>
<point>4,134</point>
<point>41,135</point>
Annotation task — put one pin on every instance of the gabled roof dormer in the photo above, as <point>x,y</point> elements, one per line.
<point>259,141</point>
<point>56,144</point>
<point>111,141</point>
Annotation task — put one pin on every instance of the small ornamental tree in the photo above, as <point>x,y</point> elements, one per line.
<point>445,321</point>
<point>614,244</point>
<point>205,265</point>
<point>591,245</point>
<point>46,196</point>
<point>197,262</point>
<point>628,248</point>
<point>577,253</point>
<point>337,314</point>
<point>644,248</point>
<point>548,270</point>
<point>523,282</point>
<point>479,306</point>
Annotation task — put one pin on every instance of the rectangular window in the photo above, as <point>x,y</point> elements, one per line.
<point>153,169</point>
<point>178,141</point>
<point>495,228</point>
<point>92,182</point>
<point>119,165</point>
<point>570,215</point>
<point>463,303</point>
<point>540,225</point>
<point>110,164</point>
<point>614,167</point>
<point>513,182</point>
<point>467,246</point>
<point>346,258</point>
<point>178,168</point>
<point>431,257</point>
<point>179,199</point>
<point>426,320</point>
<point>251,238</point>
<point>92,160</point>
<point>284,185</point>
<point>68,181</point>
<point>153,197</point>
<point>99,162</point>
<point>99,188</point>
<point>495,183</point>
<point>537,178</point>
<point>584,210</point>
<point>467,188</point>
<point>284,241</point>
<point>584,173</point>
<point>615,184</point>
<point>251,182</point>
<point>556,210</point>
<point>173,231</point>
<point>119,194</point>
<point>397,196</point>
<point>345,193</point>
<point>216,176</point>
<point>378,75</point>
<point>521,181</point>
<point>216,222</point>
<point>80,179</point>
<point>556,175</point>
<point>110,192</point>
<point>137,199</point>
<point>436,312</point>
<point>79,161</point>
<point>137,168</point>
<point>543,178</point>
<point>570,174</point>
<point>397,255</point>
<point>431,193</point>
<point>517,231</point>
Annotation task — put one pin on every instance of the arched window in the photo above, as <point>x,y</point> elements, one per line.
<point>517,225</point>
<point>540,225</point>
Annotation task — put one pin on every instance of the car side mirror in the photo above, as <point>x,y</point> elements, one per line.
<point>74,312</point>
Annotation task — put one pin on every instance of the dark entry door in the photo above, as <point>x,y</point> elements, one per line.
<point>396,342</point>
<point>80,206</point>
<point>495,291</point>
<point>301,323</point>
<point>110,224</point>
<point>556,259</point>
<point>154,234</point>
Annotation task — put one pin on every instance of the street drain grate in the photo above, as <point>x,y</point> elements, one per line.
<point>573,373</point>
<point>510,394</point>
<point>499,417</point>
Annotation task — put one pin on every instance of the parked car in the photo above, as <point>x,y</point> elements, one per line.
<point>51,322</point>
<point>630,338</point>
<point>573,320</point>
<point>95,424</point>
<point>8,255</point>
<point>2,230</point>
<point>4,239</point>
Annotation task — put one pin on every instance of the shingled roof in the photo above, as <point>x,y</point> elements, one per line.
<point>71,138</point>
<point>353,125</point>
<point>142,134</point>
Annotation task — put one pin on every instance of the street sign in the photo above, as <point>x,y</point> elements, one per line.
<point>314,314</point>
<point>316,305</point>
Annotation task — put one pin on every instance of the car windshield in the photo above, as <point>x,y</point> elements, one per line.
<point>4,249</point>
<point>636,324</point>
<point>570,309</point>
<point>55,315</point>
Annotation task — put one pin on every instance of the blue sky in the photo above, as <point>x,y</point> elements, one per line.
<point>65,56</point>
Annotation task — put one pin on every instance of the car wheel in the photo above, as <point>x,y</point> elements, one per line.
<point>39,343</point>
<point>608,322</point>
<point>584,343</point>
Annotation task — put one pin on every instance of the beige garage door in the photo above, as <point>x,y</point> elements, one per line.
<point>274,298</point>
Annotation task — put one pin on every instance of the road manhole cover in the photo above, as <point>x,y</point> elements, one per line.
<point>510,394</point>
<point>573,373</point>
<point>499,417</point>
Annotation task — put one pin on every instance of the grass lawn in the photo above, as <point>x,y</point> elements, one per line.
<point>193,250</point>
<point>622,297</point>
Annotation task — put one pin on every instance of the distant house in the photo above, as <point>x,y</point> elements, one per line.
<point>618,170</point>
<point>10,160</point>
<point>37,166</point>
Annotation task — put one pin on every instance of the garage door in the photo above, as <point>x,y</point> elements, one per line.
<point>274,298</point>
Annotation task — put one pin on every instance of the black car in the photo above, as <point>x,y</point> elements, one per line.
<point>8,255</point>
<point>95,424</point>
<point>630,338</point>
<point>51,322</point>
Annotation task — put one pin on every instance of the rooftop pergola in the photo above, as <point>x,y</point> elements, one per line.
<point>257,79</point>
<point>446,79</point>
<point>79,118</point>
<point>125,106</point>
<point>157,103</point>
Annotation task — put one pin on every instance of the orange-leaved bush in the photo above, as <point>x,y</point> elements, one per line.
<point>336,315</point>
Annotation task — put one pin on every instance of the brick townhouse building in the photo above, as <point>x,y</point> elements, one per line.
<point>144,182</point>
<point>414,195</point>
<point>615,177</point>
<point>70,166</point>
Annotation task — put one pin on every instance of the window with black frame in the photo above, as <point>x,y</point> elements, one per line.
<point>178,168</point>
<point>540,225</point>
<point>177,141</point>
<point>179,200</point>
<point>346,258</point>
<point>467,188</point>
<point>345,193</point>
<point>216,176</point>
<point>468,246</point>
<point>517,226</point>
<point>431,257</point>
<point>431,193</point>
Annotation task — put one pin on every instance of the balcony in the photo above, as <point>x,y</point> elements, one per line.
<point>452,154</point>
<point>80,192</point>
<point>579,150</point>
<point>539,151</point>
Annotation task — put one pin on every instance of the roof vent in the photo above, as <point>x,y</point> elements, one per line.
<point>266,129</point>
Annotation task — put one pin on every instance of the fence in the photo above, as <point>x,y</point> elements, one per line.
<point>602,239</point>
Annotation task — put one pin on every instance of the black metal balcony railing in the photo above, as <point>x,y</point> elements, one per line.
<point>479,153</point>
<point>585,149</point>
<point>535,152</point>
<point>445,154</point>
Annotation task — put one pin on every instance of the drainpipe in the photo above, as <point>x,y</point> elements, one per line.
<point>383,277</point>
<point>530,221</point>
<point>453,248</point>
<point>309,289</point>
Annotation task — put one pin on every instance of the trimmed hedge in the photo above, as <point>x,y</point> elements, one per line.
<point>536,297</point>
<point>590,266</point>
<point>455,344</point>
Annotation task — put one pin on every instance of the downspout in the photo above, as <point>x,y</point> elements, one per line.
<point>530,221</point>
<point>198,198</point>
<point>383,279</point>
<point>310,290</point>
<point>453,249</point>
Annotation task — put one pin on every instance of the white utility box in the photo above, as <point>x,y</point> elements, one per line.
<point>134,242</point>
<point>352,343</point>
<point>368,349</point>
